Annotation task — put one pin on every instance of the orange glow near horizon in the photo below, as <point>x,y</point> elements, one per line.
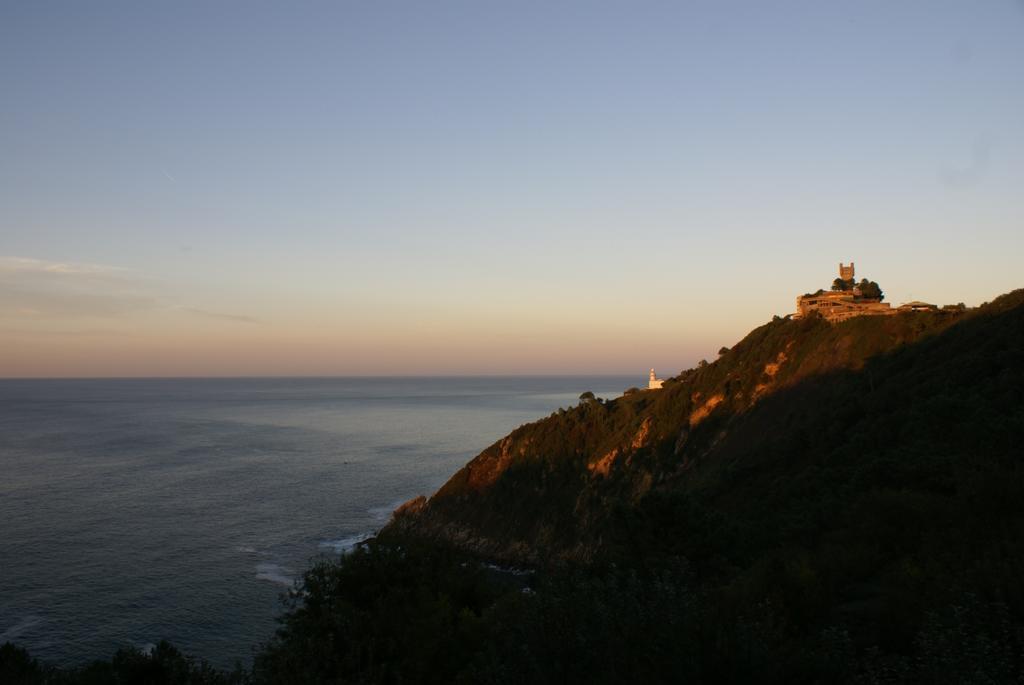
<point>75,320</point>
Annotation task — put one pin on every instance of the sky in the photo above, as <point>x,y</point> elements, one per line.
<point>387,188</point>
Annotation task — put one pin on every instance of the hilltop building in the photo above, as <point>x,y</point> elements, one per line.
<point>918,306</point>
<point>654,383</point>
<point>844,301</point>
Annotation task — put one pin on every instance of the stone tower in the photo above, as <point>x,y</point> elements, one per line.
<point>846,272</point>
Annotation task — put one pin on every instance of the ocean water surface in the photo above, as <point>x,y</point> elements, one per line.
<point>136,510</point>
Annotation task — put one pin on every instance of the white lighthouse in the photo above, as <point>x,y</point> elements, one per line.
<point>654,383</point>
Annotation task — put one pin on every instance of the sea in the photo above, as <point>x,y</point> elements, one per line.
<point>135,510</point>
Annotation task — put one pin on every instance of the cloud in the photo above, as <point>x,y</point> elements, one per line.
<point>28,265</point>
<point>217,315</point>
<point>34,303</point>
<point>62,333</point>
<point>38,290</point>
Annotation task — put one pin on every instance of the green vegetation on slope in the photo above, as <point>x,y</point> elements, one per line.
<point>543,493</point>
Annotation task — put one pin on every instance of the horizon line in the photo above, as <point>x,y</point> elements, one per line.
<point>316,376</point>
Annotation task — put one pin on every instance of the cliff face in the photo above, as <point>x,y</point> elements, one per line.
<point>793,403</point>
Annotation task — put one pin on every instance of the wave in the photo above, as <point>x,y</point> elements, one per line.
<point>246,549</point>
<point>508,570</point>
<point>346,544</point>
<point>275,573</point>
<point>383,513</point>
<point>18,628</point>
<point>349,542</point>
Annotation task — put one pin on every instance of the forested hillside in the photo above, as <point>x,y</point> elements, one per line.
<point>823,503</point>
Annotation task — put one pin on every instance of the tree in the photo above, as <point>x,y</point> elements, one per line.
<point>840,285</point>
<point>722,350</point>
<point>870,290</point>
<point>587,397</point>
<point>16,666</point>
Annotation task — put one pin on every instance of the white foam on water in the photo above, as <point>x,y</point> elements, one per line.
<point>511,570</point>
<point>20,627</point>
<point>275,573</point>
<point>382,514</point>
<point>346,544</point>
<point>349,542</point>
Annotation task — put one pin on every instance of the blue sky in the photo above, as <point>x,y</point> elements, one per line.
<point>350,188</point>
